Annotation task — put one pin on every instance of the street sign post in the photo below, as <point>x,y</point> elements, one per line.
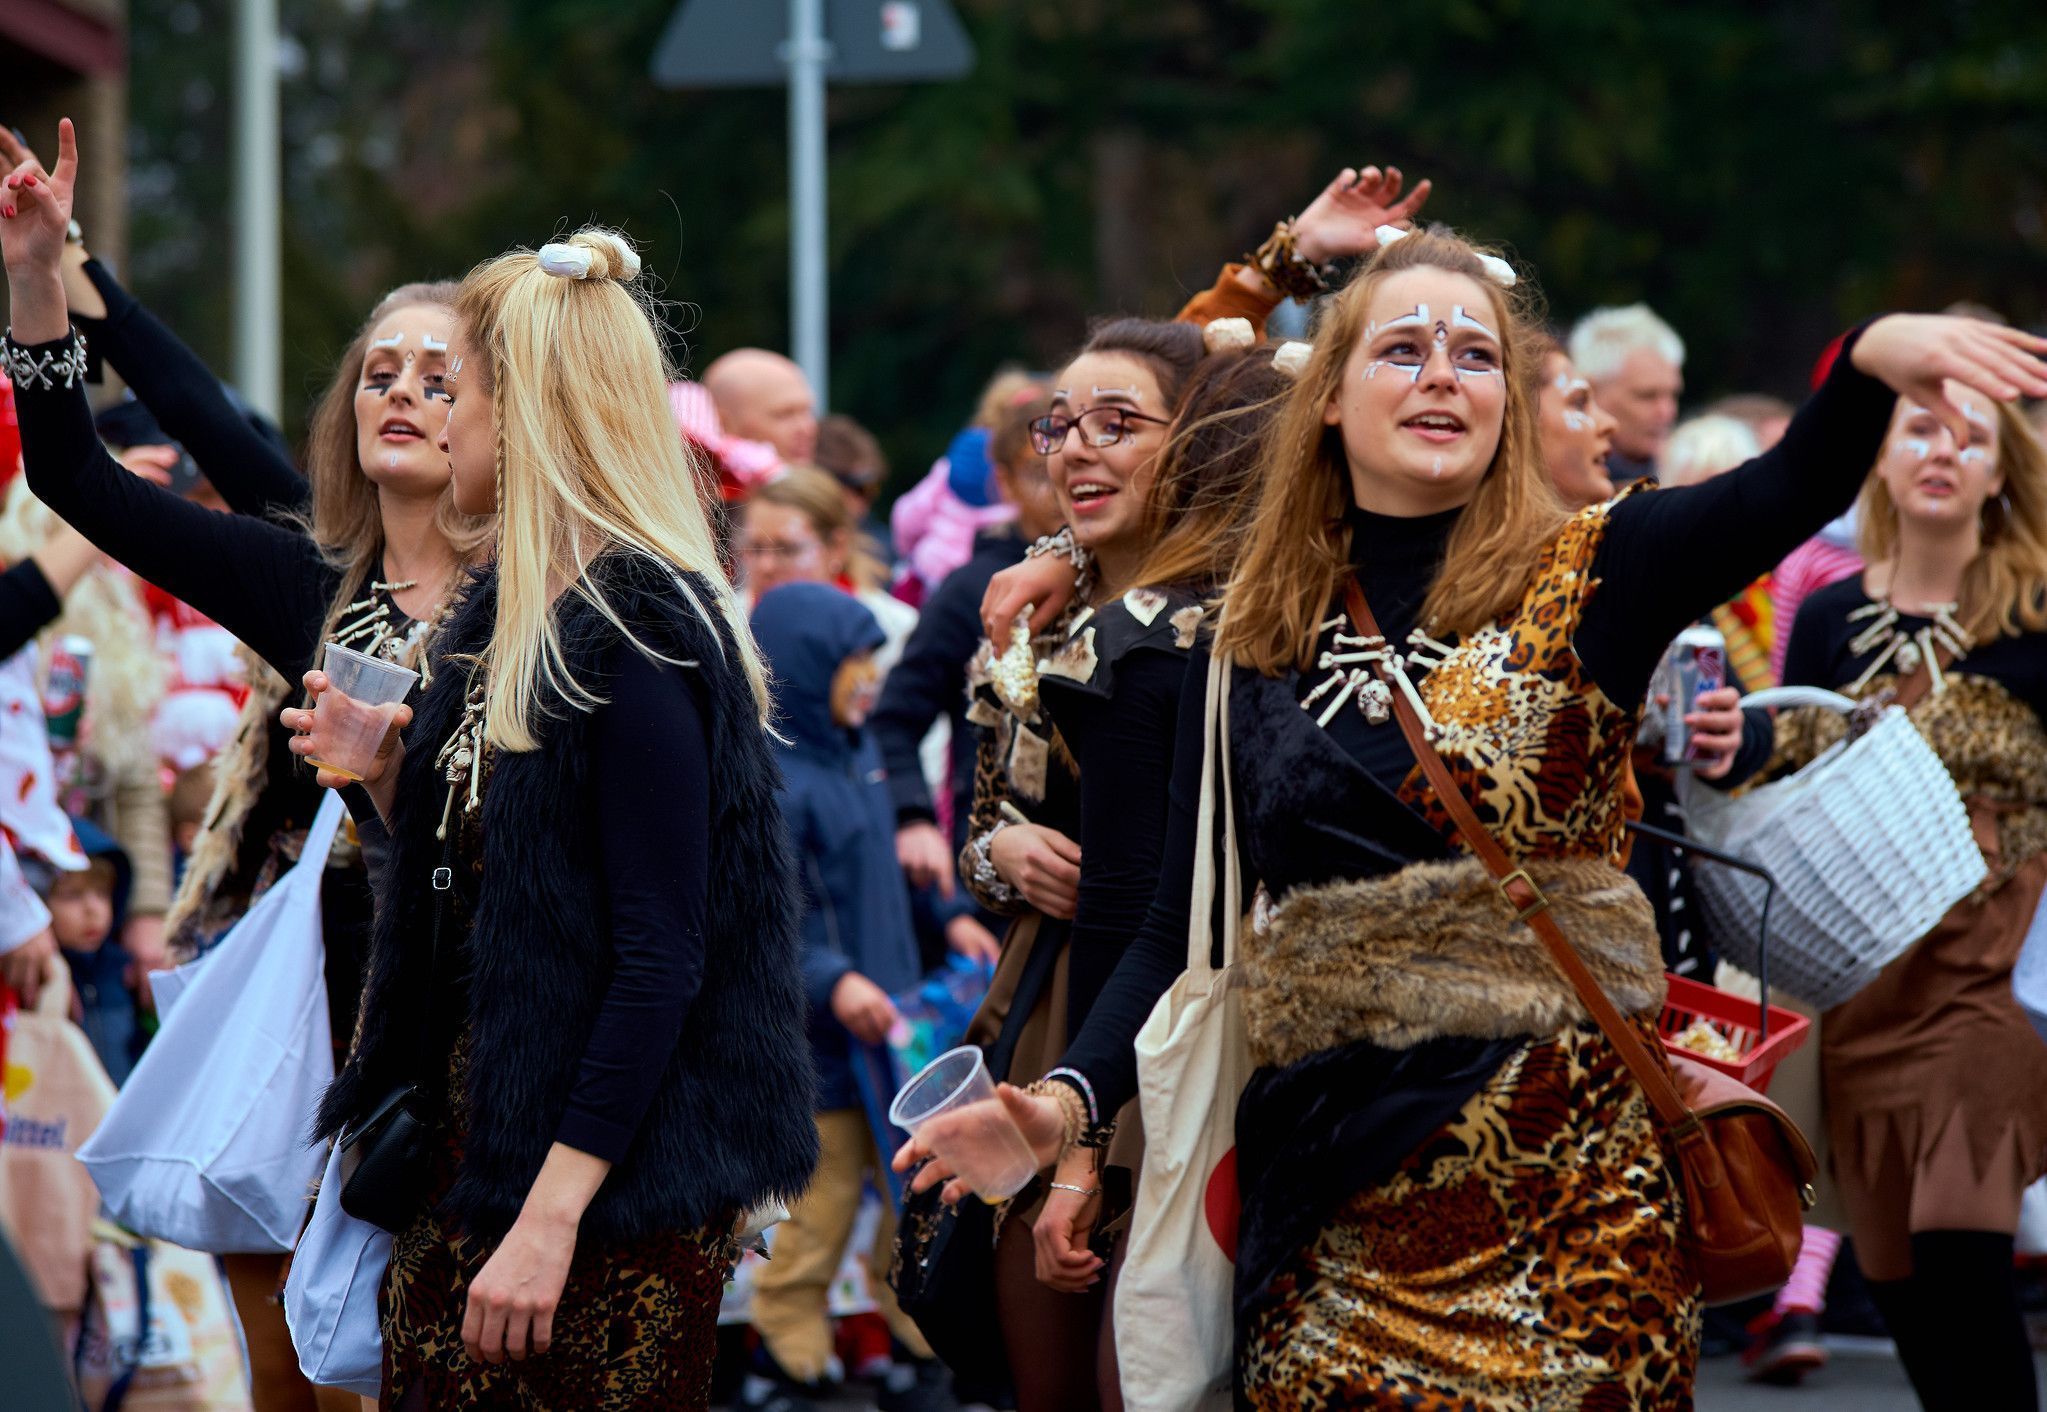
<point>807,44</point>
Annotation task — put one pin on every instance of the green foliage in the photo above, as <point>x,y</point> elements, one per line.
<point>1763,175</point>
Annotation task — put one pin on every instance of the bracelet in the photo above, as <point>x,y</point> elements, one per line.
<point>42,371</point>
<point>985,876</point>
<point>1290,272</point>
<point>1076,1190</point>
<point>1064,546</point>
<point>1072,1112</point>
<point>1076,1079</point>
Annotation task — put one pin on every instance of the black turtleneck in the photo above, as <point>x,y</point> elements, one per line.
<point>1668,556</point>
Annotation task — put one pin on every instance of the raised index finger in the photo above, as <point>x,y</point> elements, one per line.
<point>67,153</point>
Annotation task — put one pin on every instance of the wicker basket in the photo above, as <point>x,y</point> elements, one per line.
<point>1870,846</point>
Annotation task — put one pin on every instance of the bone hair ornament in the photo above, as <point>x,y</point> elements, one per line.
<point>1292,356</point>
<point>1497,270</point>
<point>1221,335</point>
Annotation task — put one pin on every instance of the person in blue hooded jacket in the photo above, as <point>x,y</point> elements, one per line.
<point>87,908</point>
<point>859,949</point>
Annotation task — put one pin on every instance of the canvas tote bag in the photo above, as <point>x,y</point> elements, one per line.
<point>207,1145</point>
<point>1174,1323</point>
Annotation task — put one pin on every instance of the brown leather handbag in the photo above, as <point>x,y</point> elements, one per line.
<point>1746,1169</point>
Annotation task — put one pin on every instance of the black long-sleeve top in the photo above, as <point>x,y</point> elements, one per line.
<point>650,769</point>
<point>27,606</point>
<point>251,472</point>
<point>930,680</point>
<point>1667,557</point>
<point>270,586</point>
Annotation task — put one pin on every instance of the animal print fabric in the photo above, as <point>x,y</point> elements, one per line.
<point>1526,1256</point>
<point>636,1328</point>
<point>1534,743</point>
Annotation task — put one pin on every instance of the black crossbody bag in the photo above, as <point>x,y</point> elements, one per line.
<point>387,1159</point>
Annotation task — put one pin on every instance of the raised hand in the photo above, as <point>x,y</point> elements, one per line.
<point>1917,355</point>
<point>1341,221</point>
<point>35,206</point>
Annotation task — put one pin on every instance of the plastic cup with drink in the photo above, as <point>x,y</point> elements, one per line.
<point>355,713</point>
<point>951,1105</point>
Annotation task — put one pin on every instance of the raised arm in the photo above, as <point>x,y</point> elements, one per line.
<point>251,472</point>
<point>1671,556</point>
<point>267,585</point>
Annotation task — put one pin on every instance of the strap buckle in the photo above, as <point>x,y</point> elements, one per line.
<point>444,878</point>
<point>1522,914</point>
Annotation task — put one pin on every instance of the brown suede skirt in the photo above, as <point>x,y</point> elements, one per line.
<point>1936,1084</point>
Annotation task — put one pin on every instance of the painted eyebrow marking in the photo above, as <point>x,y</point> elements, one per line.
<point>1973,453</point>
<point>1460,319</point>
<point>432,344</point>
<point>1418,318</point>
<point>1976,415</point>
<point>1916,446</point>
<point>392,342</point>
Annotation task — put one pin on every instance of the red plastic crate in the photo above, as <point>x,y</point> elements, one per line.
<point>1739,1019</point>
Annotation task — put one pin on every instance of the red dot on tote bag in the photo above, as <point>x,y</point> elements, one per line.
<point>1220,1203</point>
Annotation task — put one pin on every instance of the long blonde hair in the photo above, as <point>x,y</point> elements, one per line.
<point>1299,546</point>
<point>587,460</point>
<point>128,676</point>
<point>2004,589</point>
<point>344,518</point>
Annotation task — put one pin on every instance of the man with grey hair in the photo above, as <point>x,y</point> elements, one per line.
<point>1635,363</point>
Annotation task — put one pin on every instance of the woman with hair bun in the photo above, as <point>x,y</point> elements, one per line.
<point>615,1068</point>
<point>1457,1194</point>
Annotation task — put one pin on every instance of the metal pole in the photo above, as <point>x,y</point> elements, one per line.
<point>807,54</point>
<point>258,285</point>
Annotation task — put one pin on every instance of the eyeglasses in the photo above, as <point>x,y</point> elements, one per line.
<point>1099,427</point>
<point>772,549</point>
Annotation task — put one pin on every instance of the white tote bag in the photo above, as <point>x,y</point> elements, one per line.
<point>330,1297</point>
<point>207,1146</point>
<point>1174,1323</point>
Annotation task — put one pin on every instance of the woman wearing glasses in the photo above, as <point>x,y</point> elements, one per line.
<point>1148,444</point>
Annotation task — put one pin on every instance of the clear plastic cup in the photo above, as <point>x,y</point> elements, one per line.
<point>951,1104</point>
<point>354,715</point>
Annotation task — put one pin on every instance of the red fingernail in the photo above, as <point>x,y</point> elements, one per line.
<point>28,180</point>
<point>7,212</point>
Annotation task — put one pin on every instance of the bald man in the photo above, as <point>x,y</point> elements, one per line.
<point>762,396</point>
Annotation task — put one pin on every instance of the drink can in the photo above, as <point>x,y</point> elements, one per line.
<point>64,691</point>
<point>1698,663</point>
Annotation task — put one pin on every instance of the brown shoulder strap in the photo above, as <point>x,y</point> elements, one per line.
<point>1524,896</point>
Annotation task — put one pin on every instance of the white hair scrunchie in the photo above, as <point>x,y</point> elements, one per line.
<point>573,261</point>
<point>1497,270</point>
<point>565,261</point>
<point>1292,356</point>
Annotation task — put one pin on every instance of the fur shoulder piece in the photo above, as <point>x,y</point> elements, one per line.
<point>1434,951</point>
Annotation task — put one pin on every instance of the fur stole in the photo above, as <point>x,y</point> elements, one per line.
<point>1434,951</point>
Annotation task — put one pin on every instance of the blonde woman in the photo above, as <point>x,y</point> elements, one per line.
<point>1935,1083</point>
<point>1454,1192</point>
<point>370,565</point>
<point>608,1037</point>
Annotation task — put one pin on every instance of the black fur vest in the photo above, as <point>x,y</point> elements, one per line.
<point>731,1124</point>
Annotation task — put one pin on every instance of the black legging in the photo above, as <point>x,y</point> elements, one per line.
<point>1957,1324</point>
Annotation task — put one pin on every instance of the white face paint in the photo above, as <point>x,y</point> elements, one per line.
<point>1977,415</point>
<point>1973,455</point>
<point>432,344</point>
<point>1436,471</point>
<point>392,342</point>
<point>1568,387</point>
<point>1420,317</point>
<point>1917,447</point>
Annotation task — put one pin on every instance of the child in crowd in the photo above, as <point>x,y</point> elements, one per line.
<point>86,907</point>
<point>859,949</point>
<point>191,792</point>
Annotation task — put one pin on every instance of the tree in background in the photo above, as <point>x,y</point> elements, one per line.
<point>1763,175</point>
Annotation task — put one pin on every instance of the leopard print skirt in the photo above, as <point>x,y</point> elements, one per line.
<point>1527,1255</point>
<point>636,1326</point>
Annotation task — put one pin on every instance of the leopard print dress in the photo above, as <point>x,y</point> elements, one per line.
<point>1527,1254</point>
